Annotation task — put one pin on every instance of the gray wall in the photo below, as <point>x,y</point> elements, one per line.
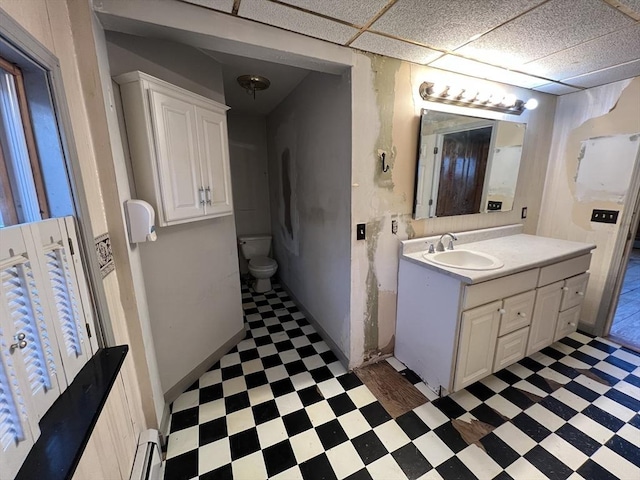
<point>249,176</point>
<point>191,272</point>
<point>309,145</point>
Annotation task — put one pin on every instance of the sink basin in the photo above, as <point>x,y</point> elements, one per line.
<point>465,259</point>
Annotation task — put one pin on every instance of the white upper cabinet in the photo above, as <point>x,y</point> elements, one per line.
<point>179,149</point>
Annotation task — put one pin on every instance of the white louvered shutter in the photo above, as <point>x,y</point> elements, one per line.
<point>18,429</point>
<point>29,318</point>
<point>51,241</point>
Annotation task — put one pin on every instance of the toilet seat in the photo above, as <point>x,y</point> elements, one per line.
<point>262,263</point>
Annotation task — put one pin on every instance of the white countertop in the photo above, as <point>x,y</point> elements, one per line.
<point>518,252</point>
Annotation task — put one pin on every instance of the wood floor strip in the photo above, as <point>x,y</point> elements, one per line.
<point>396,394</point>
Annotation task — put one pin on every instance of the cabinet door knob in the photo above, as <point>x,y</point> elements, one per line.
<point>522,314</point>
<point>572,324</point>
<point>20,343</point>
<point>580,294</point>
<point>201,195</point>
<point>566,289</point>
<point>207,192</point>
<point>502,311</point>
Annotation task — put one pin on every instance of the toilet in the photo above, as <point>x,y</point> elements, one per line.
<point>255,248</point>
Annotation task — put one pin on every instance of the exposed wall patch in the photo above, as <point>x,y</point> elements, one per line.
<point>605,167</point>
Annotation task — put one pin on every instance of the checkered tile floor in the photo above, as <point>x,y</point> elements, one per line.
<point>281,406</point>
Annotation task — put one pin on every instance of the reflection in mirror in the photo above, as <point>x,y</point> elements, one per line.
<point>466,165</point>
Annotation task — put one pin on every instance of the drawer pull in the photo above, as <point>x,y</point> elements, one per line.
<point>566,289</point>
<point>580,293</point>
<point>522,314</point>
<point>502,311</point>
<point>572,324</point>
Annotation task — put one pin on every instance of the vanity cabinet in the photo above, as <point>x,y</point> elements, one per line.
<point>452,333</point>
<point>179,149</point>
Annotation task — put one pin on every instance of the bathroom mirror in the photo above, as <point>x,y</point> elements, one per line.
<point>466,165</point>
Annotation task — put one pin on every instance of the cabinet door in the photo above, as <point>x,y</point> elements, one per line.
<point>567,322</point>
<point>477,345</point>
<point>214,155</point>
<point>174,124</point>
<point>510,348</point>
<point>574,290</point>
<point>517,312</point>
<point>545,316</point>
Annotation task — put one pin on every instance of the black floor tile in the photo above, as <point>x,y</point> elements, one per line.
<point>551,466</point>
<point>349,381</point>
<point>310,395</point>
<point>375,414</point>
<point>232,371</point>
<point>486,414</point>
<point>341,404</point>
<point>578,439</point>
<point>590,470</point>
<point>318,468</point>
<point>182,467</point>
<point>212,431</point>
<point>184,419</point>
<point>222,473</point>
<point>480,391</point>
<point>455,469</point>
<point>498,450</point>
<point>412,425</point>
<point>369,447</point>
<point>211,393</point>
<point>244,443</point>
<point>278,458</point>
<point>282,387</point>
<point>248,355</point>
<point>624,399</point>
<point>411,461</point>
<point>626,449</point>
<point>321,374</point>
<point>297,422</point>
<point>561,409</point>
<point>450,436</point>
<point>603,418</point>
<point>531,427</point>
<point>265,411</point>
<point>236,402</point>
<point>256,379</point>
<point>331,434</point>
<point>449,407</point>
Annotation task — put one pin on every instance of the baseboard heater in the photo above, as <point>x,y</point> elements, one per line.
<point>147,464</point>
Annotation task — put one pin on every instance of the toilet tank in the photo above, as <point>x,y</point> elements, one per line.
<point>255,245</point>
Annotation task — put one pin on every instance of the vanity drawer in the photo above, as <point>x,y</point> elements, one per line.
<point>485,292</point>
<point>516,312</point>
<point>567,322</point>
<point>573,291</point>
<point>561,270</point>
<point>510,348</point>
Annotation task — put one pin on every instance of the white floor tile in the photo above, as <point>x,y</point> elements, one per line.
<point>330,388</point>
<point>593,429</point>
<point>465,399</point>
<point>306,445</point>
<point>313,362</point>
<point>267,350</point>
<point>337,368</point>
<point>570,399</point>
<point>426,391</point>
<point>251,466</point>
<point>395,363</point>
<point>289,356</point>
<point>299,342</point>
<point>551,374</point>
<point>480,464</point>
<point>240,421</point>
<point>230,359</point>
<point>545,417</point>
<point>519,370</point>
<point>627,357</point>
<point>183,441</point>
<point>320,413</point>
<point>391,435</point>
<point>246,344</point>
<point>321,347</point>
<point>187,400</point>
<point>293,473</point>
<point>233,386</point>
<point>288,403</point>
<point>629,433</point>
<point>302,380</point>
<point>433,449</point>
<point>527,387</point>
<point>614,463</point>
<point>211,410</point>
<point>385,468</point>
<point>612,370</point>
<point>354,424</point>
<point>564,451</point>
<point>361,396</point>
<point>214,455</point>
<point>276,373</point>
<point>279,337</point>
<point>211,378</point>
<point>494,383</point>
<point>431,475</point>
<point>252,366</point>
<point>503,406</point>
<point>515,438</point>
<point>260,394</point>
<point>592,384</point>
<point>629,389</point>
<point>542,359</point>
<point>615,409</point>
<point>271,432</point>
<point>344,459</point>
<point>259,332</point>
<point>521,468</point>
<point>430,415</point>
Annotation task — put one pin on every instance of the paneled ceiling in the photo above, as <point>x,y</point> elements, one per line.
<point>554,46</point>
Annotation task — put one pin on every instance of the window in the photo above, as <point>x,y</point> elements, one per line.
<point>45,305</point>
<point>21,185</point>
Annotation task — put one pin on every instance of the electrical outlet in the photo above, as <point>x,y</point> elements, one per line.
<point>493,206</point>
<point>360,231</point>
<point>524,212</point>
<point>604,216</point>
<point>394,227</point>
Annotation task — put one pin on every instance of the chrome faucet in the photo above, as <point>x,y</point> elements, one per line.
<point>440,245</point>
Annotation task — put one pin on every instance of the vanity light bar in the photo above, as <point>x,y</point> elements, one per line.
<point>497,102</point>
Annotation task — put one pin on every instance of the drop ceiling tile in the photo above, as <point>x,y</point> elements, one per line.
<point>608,75</point>
<point>556,89</point>
<point>633,5</point>
<point>447,24</point>
<point>613,49</point>
<point>482,70</point>
<point>295,20</point>
<point>546,30</point>
<point>220,5</point>
<point>357,13</point>
<point>371,42</point>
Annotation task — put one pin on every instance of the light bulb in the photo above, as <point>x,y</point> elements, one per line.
<point>509,100</point>
<point>531,104</point>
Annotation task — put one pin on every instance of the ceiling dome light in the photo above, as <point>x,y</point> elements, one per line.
<point>531,104</point>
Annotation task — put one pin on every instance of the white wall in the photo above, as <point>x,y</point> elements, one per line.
<point>311,236</point>
<point>249,175</point>
<point>191,275</point>
<point>579,181</point>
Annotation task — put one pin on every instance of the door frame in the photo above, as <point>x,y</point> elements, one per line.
<point>630,220</point>
<point>22,40</point>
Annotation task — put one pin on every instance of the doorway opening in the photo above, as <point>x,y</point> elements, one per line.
<point>625,328</point>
